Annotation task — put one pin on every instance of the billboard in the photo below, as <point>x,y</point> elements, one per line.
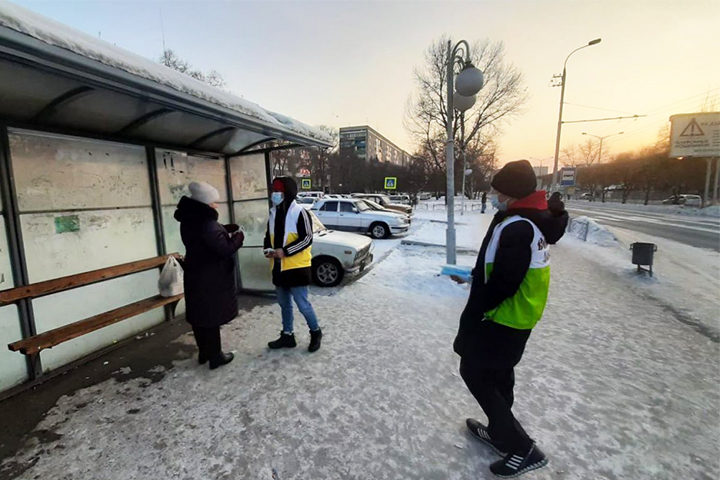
<point>695,135</point>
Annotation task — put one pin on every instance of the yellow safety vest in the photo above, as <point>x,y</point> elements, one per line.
<point>302,259</point>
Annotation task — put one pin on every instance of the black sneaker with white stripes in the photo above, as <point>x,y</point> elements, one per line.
<point>480,431</point>
<point>519,463</point>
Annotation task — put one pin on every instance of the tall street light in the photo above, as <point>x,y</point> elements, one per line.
<point>601,140</point>
<point>466,85</point>
<point>562,101</point>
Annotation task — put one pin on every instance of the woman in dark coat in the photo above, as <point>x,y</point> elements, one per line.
<point>210,288</point>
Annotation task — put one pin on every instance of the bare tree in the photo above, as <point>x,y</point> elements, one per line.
<point>501,99</point>
<point>170,59</point>
<point>582,155</point>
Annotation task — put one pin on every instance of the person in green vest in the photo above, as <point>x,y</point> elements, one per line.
<point>507,298</point>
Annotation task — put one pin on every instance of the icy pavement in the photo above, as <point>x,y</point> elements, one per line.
<point>612,386</point>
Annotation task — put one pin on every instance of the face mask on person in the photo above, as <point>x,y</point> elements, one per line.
<point>277,198</point>
<point>497,204</point>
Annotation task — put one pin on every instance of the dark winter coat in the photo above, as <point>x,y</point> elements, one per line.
<point>297,277</point>
<point>210,287</point>
<point>486,342</point>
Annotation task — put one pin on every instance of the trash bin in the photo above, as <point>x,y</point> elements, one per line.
<point>643,254</point>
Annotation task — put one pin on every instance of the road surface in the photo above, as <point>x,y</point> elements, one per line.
<point>702,232</point>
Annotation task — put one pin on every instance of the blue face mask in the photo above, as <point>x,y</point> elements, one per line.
<point>497,204</point>
<point>277,198</point>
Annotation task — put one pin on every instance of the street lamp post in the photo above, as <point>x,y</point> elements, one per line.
<point>467,84</point>
<point>601,140</point>
<point>562,101</point>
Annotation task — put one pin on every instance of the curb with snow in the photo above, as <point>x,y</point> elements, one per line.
<point>588,230</point>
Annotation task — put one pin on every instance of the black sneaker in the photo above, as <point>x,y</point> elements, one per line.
<point>516,464</point>
<point>315,340</point>
<point>286,340</point>
<point>480,431</point>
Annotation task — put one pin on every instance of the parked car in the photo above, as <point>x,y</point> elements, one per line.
<point>306,202</point>
<point>315,195</point>
<point>685,199</point>
<point>693,201</point>
<point>586,196</point>
<point>379,208</point>
<point>402,199</point>
<point>354,215</point>
<point>336,254</point>
<point>384,201</point>
<point>425,195</point>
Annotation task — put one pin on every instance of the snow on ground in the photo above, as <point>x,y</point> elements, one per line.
<point>612,386</point>
<point>686,279</point>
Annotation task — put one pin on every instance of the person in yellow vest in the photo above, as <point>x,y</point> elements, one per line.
<point>288,245</point>
<point>507,299</point>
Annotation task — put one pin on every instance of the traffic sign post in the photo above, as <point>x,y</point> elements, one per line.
<point>697,135</point>
<point>390,183</point>
<point>567,176</point>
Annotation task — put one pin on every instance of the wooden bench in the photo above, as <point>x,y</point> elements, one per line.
<point>56,336</point>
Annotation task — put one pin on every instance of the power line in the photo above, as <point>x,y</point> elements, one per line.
<point>599,108</point>
<point>684,100</point>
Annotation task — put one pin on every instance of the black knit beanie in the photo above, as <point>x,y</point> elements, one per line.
<point>516,179</point>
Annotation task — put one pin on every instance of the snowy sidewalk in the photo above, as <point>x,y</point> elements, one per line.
<point>612,386</point>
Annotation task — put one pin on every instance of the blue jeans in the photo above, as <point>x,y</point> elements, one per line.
<point>300,294</point>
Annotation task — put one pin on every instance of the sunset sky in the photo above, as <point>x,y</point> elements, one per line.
<point>345,63</point>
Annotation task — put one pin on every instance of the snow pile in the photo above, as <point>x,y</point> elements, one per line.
<point>590,231</point>
<point>60,35</point>
<point>415,271</point>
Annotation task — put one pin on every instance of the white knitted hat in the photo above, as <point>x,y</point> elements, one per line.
<point>204,193</point>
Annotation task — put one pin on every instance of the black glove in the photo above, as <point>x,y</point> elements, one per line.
<point>555,204</point>
<point>231,228</point>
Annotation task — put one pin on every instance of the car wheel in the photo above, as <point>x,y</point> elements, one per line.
<point>327,272</point>
<point>379,231</point>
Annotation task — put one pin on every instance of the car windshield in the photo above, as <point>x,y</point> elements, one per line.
<point>362,206</point>
<point>373,205</point>
<point>384,199</point>
<point>318,226</point>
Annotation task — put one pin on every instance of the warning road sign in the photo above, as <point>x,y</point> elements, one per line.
<point>695,135</point>
<point>390,183</point>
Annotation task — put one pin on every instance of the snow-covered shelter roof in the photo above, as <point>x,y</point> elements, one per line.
<point>54,76</point>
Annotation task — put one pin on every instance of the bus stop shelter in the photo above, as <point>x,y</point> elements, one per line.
<point>97,146</point>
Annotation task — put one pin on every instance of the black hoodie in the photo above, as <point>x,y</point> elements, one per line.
<point>298,277</point>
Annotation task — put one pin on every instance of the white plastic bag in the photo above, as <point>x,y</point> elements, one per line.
<point>171,279</point>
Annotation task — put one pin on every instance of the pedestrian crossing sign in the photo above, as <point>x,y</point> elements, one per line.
<point>306,184</point>
<point>390,183</point>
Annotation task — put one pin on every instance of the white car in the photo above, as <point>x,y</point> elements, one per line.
<point>354,215</point>
<point>315,195</point>
<point>337,253</point>
<point>306,202</point>
<point>693,201</point>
